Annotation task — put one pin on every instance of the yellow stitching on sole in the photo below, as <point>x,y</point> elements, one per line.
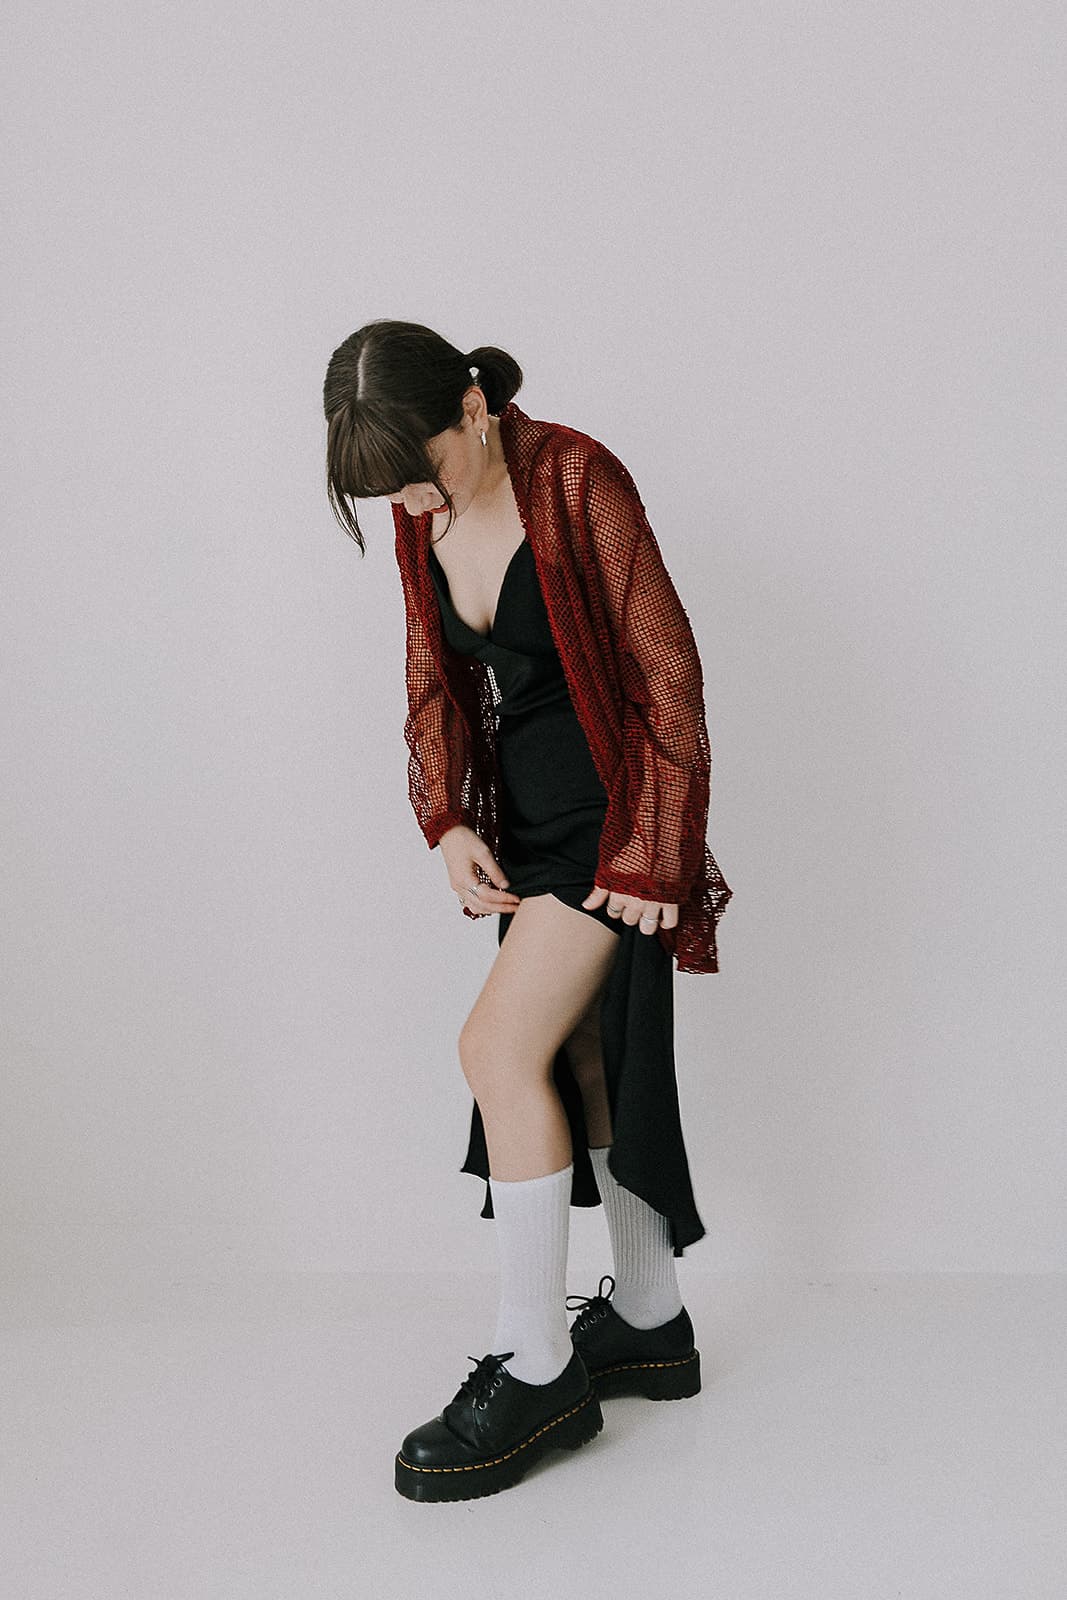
<point>645,1366</point>
<point>477,1466</point>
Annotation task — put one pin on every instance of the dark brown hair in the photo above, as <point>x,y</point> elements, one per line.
<point>389,388</point>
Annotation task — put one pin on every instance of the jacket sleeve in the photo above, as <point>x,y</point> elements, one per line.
<point>653,840</point>
<point>436,734</point>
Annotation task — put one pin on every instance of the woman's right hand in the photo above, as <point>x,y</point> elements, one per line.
<point>465,852</point>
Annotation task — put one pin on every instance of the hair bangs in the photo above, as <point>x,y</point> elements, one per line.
<point>373,459</point>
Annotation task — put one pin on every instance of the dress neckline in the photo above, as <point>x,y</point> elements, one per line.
<point>486,638</point>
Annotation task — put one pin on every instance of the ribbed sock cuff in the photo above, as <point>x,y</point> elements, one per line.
<point>646,1281</point>
<point>533,1233</point>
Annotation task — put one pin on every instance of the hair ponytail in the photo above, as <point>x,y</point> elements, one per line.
<point>499,376</point>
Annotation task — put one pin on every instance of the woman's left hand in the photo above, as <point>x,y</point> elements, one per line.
<point>646,913</point>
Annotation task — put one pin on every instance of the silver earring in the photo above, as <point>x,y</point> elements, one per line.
<point>485,441</point>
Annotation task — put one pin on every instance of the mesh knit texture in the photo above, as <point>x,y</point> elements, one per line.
<point>646,1281</point>
<point>632,667</point>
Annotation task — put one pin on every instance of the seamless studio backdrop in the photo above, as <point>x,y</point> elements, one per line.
<point>797,268</point>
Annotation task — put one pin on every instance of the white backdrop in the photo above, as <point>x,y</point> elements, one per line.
<point>800,269</point>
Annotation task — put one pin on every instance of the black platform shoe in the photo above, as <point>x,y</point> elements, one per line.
<point>659,1363</point>
<point>494,1429</point>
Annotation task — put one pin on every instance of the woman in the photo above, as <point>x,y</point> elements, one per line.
<point>559,758</point>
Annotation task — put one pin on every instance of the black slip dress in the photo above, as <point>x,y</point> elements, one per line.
<point>552,806</point>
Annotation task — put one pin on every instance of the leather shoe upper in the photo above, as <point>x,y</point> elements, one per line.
<point>602,1337</point>
<point>493,1410</point>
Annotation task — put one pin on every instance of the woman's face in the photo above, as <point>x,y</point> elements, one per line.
<point>455,454</point>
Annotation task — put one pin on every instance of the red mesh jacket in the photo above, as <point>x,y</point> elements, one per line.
<point>631,663</point>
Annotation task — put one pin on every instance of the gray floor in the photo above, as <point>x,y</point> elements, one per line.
<point>863,1437</point>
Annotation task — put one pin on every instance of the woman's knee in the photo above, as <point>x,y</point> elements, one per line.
<point>471,1055</point>
<point>495,1062</point>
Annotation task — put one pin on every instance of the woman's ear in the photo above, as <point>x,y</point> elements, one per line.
<point>474,404</point>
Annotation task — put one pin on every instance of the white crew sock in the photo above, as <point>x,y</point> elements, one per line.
<point>533,1230</point>
<point>646,1283</point>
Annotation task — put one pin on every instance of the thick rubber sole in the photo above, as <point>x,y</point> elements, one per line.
<point>568,1431</point>
<point>656,1380</point>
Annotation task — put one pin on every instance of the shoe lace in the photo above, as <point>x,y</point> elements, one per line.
<point>593,1308</point>
<point>483,1379</point>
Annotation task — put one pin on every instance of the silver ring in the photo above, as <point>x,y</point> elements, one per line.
<point>647,918</point>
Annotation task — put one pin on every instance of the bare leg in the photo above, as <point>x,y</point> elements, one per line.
<point>587,1063</point>
<point>551,965</point>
